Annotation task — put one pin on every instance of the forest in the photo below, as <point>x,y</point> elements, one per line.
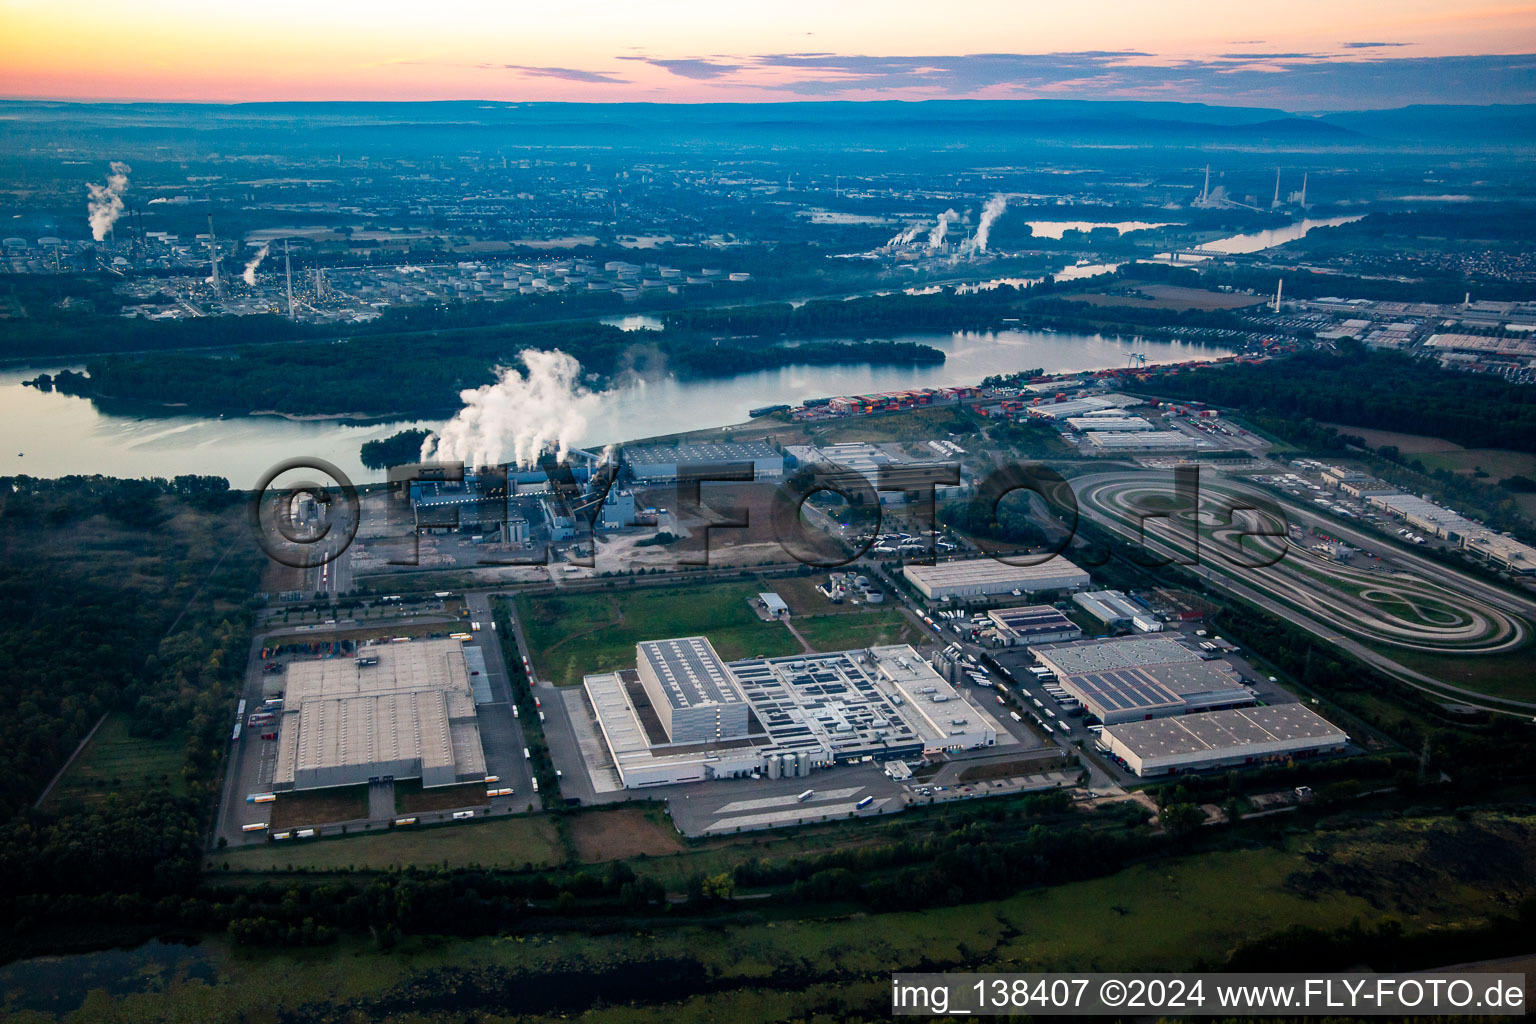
<point>122,597</point>
<point>1377,390</point>
<point>423,375</point>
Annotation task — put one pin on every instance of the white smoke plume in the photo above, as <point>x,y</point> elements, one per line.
<point>989,213</point>
<point>105,202</point>
<point>518,418</point>
<point>250,268</point>
<point>936,236</point>
<point>909,235</point>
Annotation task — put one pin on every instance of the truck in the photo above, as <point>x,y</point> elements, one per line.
<point>803,797</point>
<point>460,815</point>
<point>863,803</point>
<point>405,821</point>
<point>527,754</point>
<point>257,826</point>
<point>261,798</point>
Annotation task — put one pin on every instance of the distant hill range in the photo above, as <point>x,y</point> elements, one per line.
<point>834,124</point>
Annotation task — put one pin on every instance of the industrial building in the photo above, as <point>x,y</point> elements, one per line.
<point>1115,422</point>
<point>396,711</point>
<point>690,690</point>
<point>1143,440</point>
<point>986,577</point>
<point>1493,547</point>
<point>657,463</point>
<point>796,713</point>
<point>1117,611</point>
<point>1218,739</point>
<point>1032,624</point>
<point>1134,678</point>
<point>1080,406</point>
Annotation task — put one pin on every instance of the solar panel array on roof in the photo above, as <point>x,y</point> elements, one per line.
<point>1125,690</point>
<point>690,671</point>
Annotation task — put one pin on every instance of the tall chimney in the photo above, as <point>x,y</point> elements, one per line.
<point>288,276</point>
<point>213,260</point>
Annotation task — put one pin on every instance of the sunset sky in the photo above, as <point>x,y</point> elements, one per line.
<point>1297,54</point>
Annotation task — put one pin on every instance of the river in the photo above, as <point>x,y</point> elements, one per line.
<point>55,435</point>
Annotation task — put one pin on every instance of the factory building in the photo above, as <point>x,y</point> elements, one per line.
<point>1115,422</point>
<point>1495,548</point>
<point>1134,678</point>
<point>985,577</point>
<point>396,711</point>
<point>618,510</point>
<point>1221,739</point>
<point>655,463</point>
<point>799,713</point>
<point>1080,406</point>
<point>1032,624</point>
<point>1143,440</point>
<point>691,690</point>
<point>1117,611</point>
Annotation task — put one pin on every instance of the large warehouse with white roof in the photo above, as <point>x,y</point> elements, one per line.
<point>396,711</point>
<point>987,577</point>
<point>782,717</point>
<point>1217,739</point>
<point>1133,678</point>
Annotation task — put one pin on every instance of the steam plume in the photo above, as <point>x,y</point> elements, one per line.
<point>519,417</point>
<point>936,236</point>
<point>989,213</point>
<point>105,202</point>
<point>250,268</point>
<point>909,235</point>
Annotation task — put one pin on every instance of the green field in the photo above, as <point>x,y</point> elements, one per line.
<point>1171,914</point>
<point>1498,675</point>
<point>504,843</point>
<point>870,628</point>
<point>573,635</point>
<point>114,761</point>
<point>1498,463</point>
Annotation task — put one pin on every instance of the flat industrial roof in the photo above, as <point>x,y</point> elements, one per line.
<point>1153,687</point>
<point>690,671</point>
<point>1215,732</point>
<point>419,665</point>
<point>1034,618</point>
<point>708,452</point>
<point>988,570</point>
<point>1073,657</point>
<point>416,701</point>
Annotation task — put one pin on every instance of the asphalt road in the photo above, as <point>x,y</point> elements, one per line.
<point>1329,634</point>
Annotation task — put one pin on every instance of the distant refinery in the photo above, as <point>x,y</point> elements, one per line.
<point>922,240</point>
<point>1218,198</point>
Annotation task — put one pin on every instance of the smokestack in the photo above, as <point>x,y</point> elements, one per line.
<point>1205,193</point>
<point>1279,290</point>
<point>288,277</point>
<point>993,210</point>
<point>104,203</point>
<point>1276,204</point>
<point>213,260</point>
<point>1304,190</point>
